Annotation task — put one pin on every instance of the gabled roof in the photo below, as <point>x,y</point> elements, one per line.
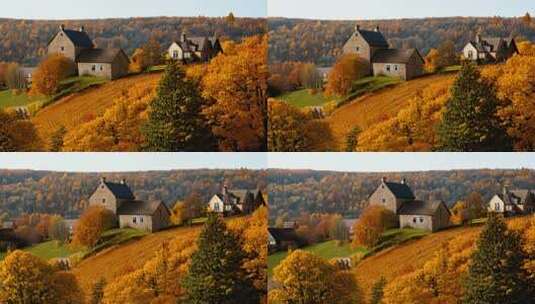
<point>394,55</point>
<point>120,190</point>
<point>374,38</point>
<point>400,190</point>
<point>139,207</point>
<point>283,234</point>
<point>79,38</point>
<point>514,197</point>
<point>420,208</point>
<point>99,55</point>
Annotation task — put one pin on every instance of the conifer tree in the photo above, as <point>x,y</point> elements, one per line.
<point>378,291</point>
<point>470,121</point>
<point>495,274</point>
<point>175,119</point>
<point>352,139</point>
<point>97,293</point>
<point>216,275</point>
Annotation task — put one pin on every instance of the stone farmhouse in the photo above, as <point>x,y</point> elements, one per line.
<point>76,45</point>
<point>148,216</point>
<point>232,202</point>
<point>490,49</point>
<point>399,198</point>
<point>194,49</point>
<point>513,202</point>
<point>383,60</point>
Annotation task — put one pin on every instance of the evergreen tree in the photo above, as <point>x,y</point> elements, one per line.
<point>97,293</point>
<point>56,139</point>
<point>470,121</point>
<point>378,291</point>
<point>495,274</point>
<point>175,121</point>
<point>216,275</point>
<point>352,139</point>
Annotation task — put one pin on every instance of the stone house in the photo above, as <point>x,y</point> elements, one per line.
<point>118,197</point>
<point>280,239</point>
<point>87,59</point>
<point>381,59</point>
<point>399,198</point>
<point>194,49</point>
<point>490,49</point>
<point>232,202</point>
<point>513,202</point>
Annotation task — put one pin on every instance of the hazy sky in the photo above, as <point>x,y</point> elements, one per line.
<point>69,9</point>
<point>390,9</point>
<point>107,162</point>
<point>389,162</point>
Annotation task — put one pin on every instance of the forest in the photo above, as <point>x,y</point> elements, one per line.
<point>25,41</point>
<point>321,41</point>
<point>67,193</point>
<point>292,192</point>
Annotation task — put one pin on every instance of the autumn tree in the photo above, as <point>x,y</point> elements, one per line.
<point>309,76</point>
<point>176,122</point>
<point>235,85</point>
<point>138,62</point>
<point>495,274</point>
<point>527,19</point>
<point>56,139</point>
<point>152,52</point>
<point>230,18</point>
<point>91,224</point>
<point>346,70</point>
<point>97,292</point>
<point>28,279</point>
<point>378,291</point>
<point>470,121</point>
<point>304,278</point>
<point>432,61</point>
<point>352,139</point>
<point>459,213</point>
<point>371,224</point>
<point>48,75</point>
<point>185,211</point>
<point>216,274</point>
<point>13,77</point>
<point>57,229</point>
<point>447,54</point>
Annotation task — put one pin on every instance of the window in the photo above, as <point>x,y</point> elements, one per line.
<point>358,49</point>
<point>216,207</point>
<point>62,48</point>
<point>103,200</point>
<point>470,54</point>
<point>141,219</point>
<point>421,220</point>
<point>94,68</point>
<point>101,68</point>
<point>396,67</point>
<point>414,220</point>
<point>384,200</point>
<point>134,220</point>
<point>388,68</point>
<point>175,54</point>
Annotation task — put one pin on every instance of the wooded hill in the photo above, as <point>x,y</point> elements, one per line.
<point>292,192</point>
<point>64,193</point>
<point>321,41</point>
<point>25,41</point>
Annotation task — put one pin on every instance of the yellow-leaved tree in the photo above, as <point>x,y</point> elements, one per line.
<point>91,224</point>
<point>48,75</point>
<point>371,225</point>
<point>346,70</point>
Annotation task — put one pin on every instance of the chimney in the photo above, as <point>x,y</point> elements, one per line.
<point>62,27</point>
<point>383,179</point>
<point>377,29</point>
<point>403,181</point>
<point>123,181</point>
<point>82,29</point>
<point>478,37</point>
<point>103,179</point>
<point>183,38</point>
<point>357,27</point>
<point>225,189</point>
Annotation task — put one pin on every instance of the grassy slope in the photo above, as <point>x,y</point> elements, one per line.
<point>47,250</point>
<point>75,109</point>
<point>404,258</point>
<point>118,260</point>
<point>302,98</point>
<point>8,100</point>
<point>379,106</point>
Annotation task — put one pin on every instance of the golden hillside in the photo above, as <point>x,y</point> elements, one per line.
<point>78,108</point>
<point>122,259</point>
<point>379,106</point>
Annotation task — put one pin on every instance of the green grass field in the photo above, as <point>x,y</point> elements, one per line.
<point>47,250</point>
<point>8,100</point>
<point>116,237</point>
<point>368,85</point>
<point>327,250</point>
<point>303,98</point>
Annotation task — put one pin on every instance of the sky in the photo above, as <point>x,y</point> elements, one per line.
<point>400,162</point>
<point>94,9</point>
<point>394,9</point>
<point>130,162</point>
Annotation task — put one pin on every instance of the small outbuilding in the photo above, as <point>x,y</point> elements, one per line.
<point>431,216</point>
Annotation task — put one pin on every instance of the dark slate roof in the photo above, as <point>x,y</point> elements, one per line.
<point>139,207</point>
<point>120,191</point>
<point>98,55</point>
<point>394,55</point>
<point>420,208</point>
<point>80,39</point>
<point>514,197</point>
<point>402,191</point>
<point>283,234</point>
<point>374,38</point>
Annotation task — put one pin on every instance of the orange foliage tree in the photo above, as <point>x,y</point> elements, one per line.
<point>236,84</point>
<point>51,71</point>
<point>347,69</point>
<point>92,223</point>
<point>371,225</point>
<point>17,134</point>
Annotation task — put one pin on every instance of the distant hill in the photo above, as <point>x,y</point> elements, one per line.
<point>25,41</point>
<point>321,41</point>
<point>67,193</point>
